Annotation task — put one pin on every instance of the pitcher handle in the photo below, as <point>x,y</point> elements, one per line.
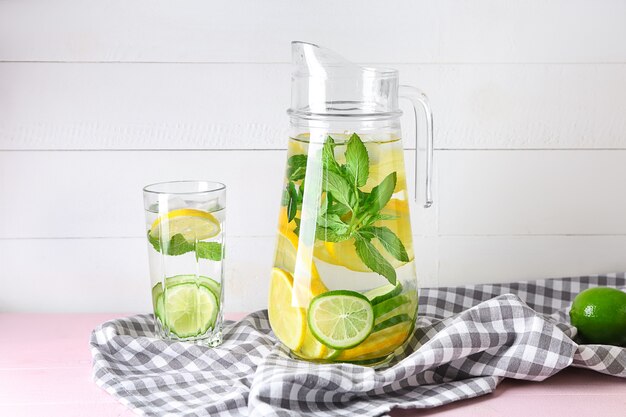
<point>418,98</point>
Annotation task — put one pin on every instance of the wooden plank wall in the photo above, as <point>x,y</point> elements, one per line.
<point>99,98</point>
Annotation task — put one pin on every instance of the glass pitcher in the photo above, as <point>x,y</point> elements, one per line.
<point>344,287</point>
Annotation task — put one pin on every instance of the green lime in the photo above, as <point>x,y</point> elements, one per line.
<point>409,308</point>
<point>210,283</point>
<point>392,321</point>
<point>207,282</point>
<point>599,314</point>
<point>382,293</point>
<point>391,304</point>
<point>187,309</point>
<point>340,319</point>
<point>157,290</point>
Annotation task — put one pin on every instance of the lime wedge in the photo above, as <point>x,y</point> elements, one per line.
<point>187,309</point>
<point>340,319</point>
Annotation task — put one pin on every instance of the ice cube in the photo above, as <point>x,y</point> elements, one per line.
<point>207,205</point>
<point>175,203</point>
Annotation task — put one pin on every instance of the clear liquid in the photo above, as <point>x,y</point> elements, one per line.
<point>185,266</point>
<point>320,265</point>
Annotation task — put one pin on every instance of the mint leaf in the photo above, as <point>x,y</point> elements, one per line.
<point>328,234</point>
<point>339,187</point>
<point>380,216</point>
<point>357,161</point>
<point>334,222</point>
<point>330,228</point>
<point>373,259</point>
<point>380,195</point>
<point>329,163</point>
<point>338,209</point>
<point>292,203</point>
<point>390,242</point>
<point>301,192</point>
<point>155,242</point>
<point>366,234</point>
<point>178,245</point>
<point>296,167</point>
<point>213,251</point>
<point>297,229</point>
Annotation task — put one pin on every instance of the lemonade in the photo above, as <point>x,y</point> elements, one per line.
<point>343,284</point>
<point>185,250</point>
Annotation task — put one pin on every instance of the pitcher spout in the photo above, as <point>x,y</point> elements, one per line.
<point>326,83</point>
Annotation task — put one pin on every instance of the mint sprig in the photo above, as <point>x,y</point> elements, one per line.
<point>178,245</point>
<point>348,212</point>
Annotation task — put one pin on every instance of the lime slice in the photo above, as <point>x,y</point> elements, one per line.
<point>157,290</point>
<point>392,321</point>
<point>386,306</point>
<point>340,319</point>
<point>288,322</point>
<point>210,283</point>
<point>382,293</point>
<point>192,224</point>
<point>187,309</point>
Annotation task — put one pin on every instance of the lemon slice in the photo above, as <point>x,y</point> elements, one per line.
<point>379,344</point>
<point>288,323</point>
<point>286,257</point>
<point>192,224</point>
<point>311,348</point>
<point>384,163</point>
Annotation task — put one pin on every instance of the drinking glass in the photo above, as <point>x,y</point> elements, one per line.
<point>185,238</point>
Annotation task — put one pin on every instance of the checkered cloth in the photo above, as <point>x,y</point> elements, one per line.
<point>467,339</point>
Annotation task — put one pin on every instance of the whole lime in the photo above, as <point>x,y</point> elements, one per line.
<point>599,314</point>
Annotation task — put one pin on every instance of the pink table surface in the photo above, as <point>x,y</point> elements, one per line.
<point>45,370</point>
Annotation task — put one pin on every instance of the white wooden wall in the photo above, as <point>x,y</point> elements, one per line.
<point>98,98</point>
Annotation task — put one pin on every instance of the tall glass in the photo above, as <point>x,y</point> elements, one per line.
<point>185,237</point>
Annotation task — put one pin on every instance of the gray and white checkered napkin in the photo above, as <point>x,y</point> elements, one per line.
<point>466,341</point>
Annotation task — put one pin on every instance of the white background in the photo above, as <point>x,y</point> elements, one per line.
<point>98,98</point>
